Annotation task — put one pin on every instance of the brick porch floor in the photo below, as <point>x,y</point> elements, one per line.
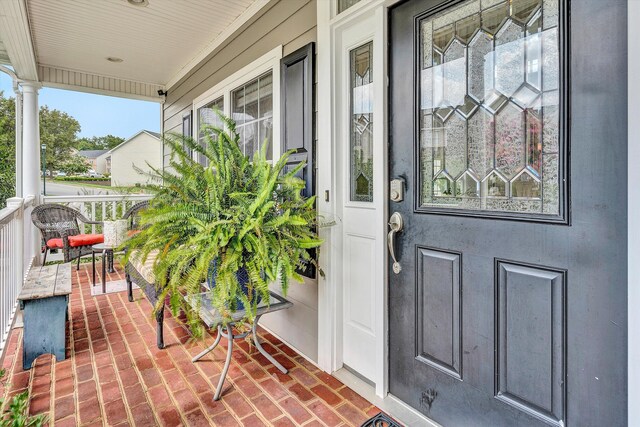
<point>115,375</point>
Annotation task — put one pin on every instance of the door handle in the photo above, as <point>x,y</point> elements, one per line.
<point>396,224</point>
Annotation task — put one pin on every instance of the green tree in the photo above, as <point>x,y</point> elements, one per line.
<point>7,148</point>
<point>59,131</point>
<point>99,142</point>
<point>74,164</point>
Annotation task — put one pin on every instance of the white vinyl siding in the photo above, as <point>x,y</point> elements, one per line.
<point>282,27</point>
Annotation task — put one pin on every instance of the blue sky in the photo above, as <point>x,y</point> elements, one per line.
<point>98,115</point>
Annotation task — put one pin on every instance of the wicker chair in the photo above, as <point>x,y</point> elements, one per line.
<point>132,215</point>
<point>60,230</point>
<point>141,273</point>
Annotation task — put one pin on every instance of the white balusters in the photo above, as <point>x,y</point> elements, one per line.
<point>99,207</point>
<point>13,236</point>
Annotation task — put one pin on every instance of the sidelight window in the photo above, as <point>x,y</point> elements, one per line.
<point>361,123</point>
<point>346,4</point>
<point>489,99</point>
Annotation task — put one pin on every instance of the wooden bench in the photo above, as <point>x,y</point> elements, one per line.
<point>44,300</point>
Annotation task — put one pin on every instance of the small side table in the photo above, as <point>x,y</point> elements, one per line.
<point>107,258</point>
<point>210,316</point>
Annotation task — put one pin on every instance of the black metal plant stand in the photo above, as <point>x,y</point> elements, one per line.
<point>211,318</point>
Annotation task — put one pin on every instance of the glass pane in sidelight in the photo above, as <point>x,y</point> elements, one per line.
<point>361,123</point>
<point>345,4</point>
<point>490,111</point>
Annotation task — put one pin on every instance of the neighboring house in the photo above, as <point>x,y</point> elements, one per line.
<point>96,159</point>
<point>101,163</point>
<point>142,150</point>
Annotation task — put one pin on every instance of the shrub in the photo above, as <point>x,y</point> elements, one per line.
<point>81,178</point>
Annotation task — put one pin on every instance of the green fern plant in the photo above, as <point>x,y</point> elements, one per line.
<point>16,414</point>
<point>239,212</point>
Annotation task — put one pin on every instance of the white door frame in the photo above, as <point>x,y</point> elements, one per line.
<point>330,137</point>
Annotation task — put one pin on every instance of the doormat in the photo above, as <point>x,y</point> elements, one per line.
<point>112,287</point>
<point>380,420</point>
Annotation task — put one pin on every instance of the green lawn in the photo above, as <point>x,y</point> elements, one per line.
<point>84,184</point>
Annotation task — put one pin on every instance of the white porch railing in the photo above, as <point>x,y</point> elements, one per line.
<point>20,241</point>
<point>17,252</point>
<point>99,207</point>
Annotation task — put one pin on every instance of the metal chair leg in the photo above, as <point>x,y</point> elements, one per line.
<point>263,351</point>
<point>104,271</point>
<point>110,264</point>
<point>160,328</point>
<point>211,347</point>
<point>46,250</point>
<point>129,286</point>
<point>223,374</point>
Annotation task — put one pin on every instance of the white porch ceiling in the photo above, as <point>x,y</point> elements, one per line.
<point>158,43</point>
<point>4,56</point>
<point>16,38</point>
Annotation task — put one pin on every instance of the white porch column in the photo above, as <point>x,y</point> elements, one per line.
<point>30,140</point>
<point>31,161</point>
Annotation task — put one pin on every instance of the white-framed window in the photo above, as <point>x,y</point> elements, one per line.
<point>251,97</point>
<point>252,110</point>
<point>342,5</point>
<point>207,116</point>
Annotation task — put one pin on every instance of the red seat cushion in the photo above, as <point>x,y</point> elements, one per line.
<point>131,233</point>
<point>54,243</point>
<point>85,239</point>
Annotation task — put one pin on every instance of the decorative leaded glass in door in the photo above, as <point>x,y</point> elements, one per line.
<point>361,126</point>
<point>489,107</point>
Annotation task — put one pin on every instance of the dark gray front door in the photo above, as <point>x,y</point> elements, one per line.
<point>508,126</point>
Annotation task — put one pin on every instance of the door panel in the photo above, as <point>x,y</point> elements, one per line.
<point>530,308</point>
<point>510,307</point>
<point>438,310</point>
<point>359,331</point>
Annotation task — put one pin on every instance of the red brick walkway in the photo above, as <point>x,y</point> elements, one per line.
<point>115,375</point>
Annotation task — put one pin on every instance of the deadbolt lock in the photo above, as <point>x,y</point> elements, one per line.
<point>396,190</point>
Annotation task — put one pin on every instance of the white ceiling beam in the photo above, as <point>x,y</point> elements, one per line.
<point>80,81</point>
<point>15,33</point>
<point>244,17</point>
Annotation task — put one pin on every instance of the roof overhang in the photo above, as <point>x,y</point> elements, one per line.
<point>16,45</point>
<point>67,43</point>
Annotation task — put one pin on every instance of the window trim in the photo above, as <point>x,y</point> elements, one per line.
<point>267,62</point>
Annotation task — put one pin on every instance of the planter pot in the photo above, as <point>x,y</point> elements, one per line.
<point>241,275</point>
<point>115,232</point>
